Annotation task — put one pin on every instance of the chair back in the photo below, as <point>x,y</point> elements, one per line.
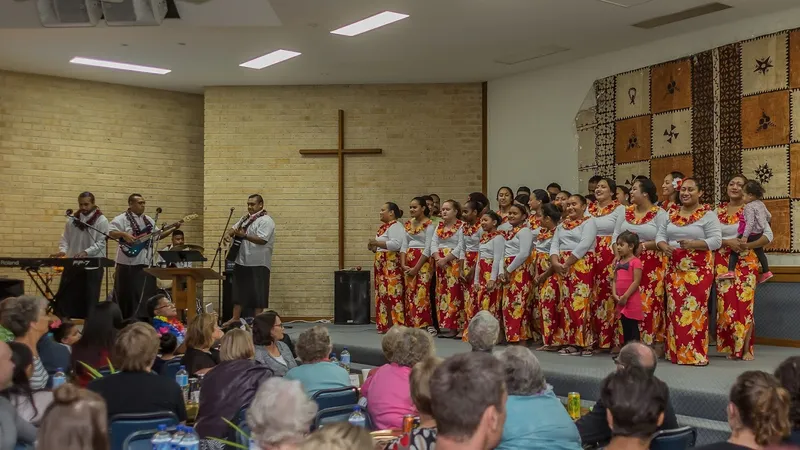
<point>171,368</point>
<point>123,425</point>
<point>140,440</point>
<point>339,414</point>
<point>331,398</point>
<point>105,371</point>
<point>240,419</point>
<point>675,439</point>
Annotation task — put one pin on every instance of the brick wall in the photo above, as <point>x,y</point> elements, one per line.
<point>59,137</point>
<point>431,141</point>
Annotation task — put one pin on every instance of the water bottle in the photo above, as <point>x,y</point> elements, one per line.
<point>190,441</point>
<point>59,378</point>
<point>253,445</point>
<point>182,377</point>
<point>333,358</point>
<point>161,440</point>
<point>357,418</point>
<point>175,442</point>
<point>346,360</point>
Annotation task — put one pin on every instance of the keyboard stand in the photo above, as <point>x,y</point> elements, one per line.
<point>42,284</point>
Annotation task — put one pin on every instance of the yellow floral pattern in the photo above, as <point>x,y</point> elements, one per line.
<point>389,308</point>
<point>735,300</point>
<point>449,293</point>
<point>575,296</point>
<point>689,280</point>
<point>603,306</point>
<point>417,291</point>
<point>514,303</point>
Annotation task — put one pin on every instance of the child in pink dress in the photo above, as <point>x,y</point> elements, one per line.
<point>627,278</point>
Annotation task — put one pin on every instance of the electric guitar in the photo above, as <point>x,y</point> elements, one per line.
<point>141,241</point>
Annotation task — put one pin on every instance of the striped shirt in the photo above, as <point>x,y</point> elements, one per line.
<point>40,376</point>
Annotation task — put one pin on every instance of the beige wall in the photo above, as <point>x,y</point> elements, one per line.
<point>431,141</point>
<point>59,137</point>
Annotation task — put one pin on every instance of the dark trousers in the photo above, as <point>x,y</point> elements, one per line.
<point>132,287</point>
<point>762,256</point>
<point>630,329</point>
<point>78,292</point>
<point>251,286</point>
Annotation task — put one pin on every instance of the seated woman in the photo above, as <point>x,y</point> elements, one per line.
<point>77,420</point>
<point>200,337</point>
<point>483,332</point>
<point>317,372</point>
<point>166,352</point>
<point>26,317</point>
<point>788,373</point>
<point>387,389</point>
<point>164,317</point>
<point>231,385</point>
<point>535,418</point>
<point>31,404</point>
<point>135,388</point>
<point>95,347</point>
<point>424,436</point>
<point>280,415</point>
<point>268,339</point>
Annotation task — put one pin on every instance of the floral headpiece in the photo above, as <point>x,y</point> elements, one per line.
<point>55,324</point>
<point>677,183</point>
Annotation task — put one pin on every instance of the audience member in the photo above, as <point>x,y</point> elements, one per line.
<point>424,436</point>
<point>13,429</point>
<point>268,339</point>
<point>135,389</point>
<point>317,372</point>
<point>339,436</point>
<point>280,415</point>
<point>76,421</point>
<point>758,413</point>
<point>167,346</point>
<point>164,317</point>
<point>231,385</point>
<point>468,397</point>
<point>54,355</point>
<point>95,348</point>
<point>483,332</point>
<point>203,332</point>
<point>788,373</point>
<point>635,402</point>
<point>31,404</point>
<point>65,333</point>
<point>535,417</point>
<point>387,389</point>
<point>593,427</point>
<point>26,317</point>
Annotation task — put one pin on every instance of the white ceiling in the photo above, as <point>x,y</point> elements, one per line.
<point>442,41</point>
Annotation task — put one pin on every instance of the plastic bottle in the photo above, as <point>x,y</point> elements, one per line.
<point>175,442</point>
<point>333,358</point>
<point>59,378</point>
<point>182,377</point>
<point>191,441</point>
<point>357,418</point>
<point>346,359</point>
<point>161,440</point>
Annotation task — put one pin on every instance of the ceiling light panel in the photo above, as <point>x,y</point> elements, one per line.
<point>370,23</point>
<point>270,59</point>
<point>119,66</point>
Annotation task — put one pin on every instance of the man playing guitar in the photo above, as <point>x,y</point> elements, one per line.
<point>255,236</point>
<point>131,282</point>
<point>79,289</point>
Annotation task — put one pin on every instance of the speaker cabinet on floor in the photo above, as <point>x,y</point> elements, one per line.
<point>351,297</point>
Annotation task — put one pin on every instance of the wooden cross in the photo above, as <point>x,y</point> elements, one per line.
<point>340,152</point>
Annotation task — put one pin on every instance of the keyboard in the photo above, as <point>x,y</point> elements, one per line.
<point>35,263</point>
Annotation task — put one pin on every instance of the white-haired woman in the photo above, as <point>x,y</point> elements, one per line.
<point>387,389</point>
<point>26,317</point>
<point>535,417</point>
<point>280,415</point>
<point>317,372</point>
<point>483,332</point>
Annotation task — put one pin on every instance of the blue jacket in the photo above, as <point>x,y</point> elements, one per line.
<point>538,422</point>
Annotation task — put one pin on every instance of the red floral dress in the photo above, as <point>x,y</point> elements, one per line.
<point>516,294</point>
<point>604,325</point>
<point>575,294</point>
<point>389,309</point>
<point>449,286</point>
<point>418,287</point>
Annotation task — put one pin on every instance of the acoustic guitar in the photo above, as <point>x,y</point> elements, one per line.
<point>141,241</point>
<point>235,243</point>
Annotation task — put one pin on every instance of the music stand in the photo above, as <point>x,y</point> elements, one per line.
<point>181,256</point>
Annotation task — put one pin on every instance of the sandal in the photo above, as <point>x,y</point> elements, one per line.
<point>569,351</point>
<point>587,352</point>
<point>432,331</point>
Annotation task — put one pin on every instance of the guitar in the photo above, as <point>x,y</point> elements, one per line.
<point>143,240</point>
<point>236,243</point>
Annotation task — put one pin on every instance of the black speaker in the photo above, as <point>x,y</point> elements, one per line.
<point>10,287</point>
<point>351,297</point>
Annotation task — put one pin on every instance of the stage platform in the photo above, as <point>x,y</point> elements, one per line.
<point>699,394</point>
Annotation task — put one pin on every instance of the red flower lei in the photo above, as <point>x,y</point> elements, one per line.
<point>383,228</point>
<point>90,221</point>
<point>630,215</point>
<point>597,211</point>
<point>410,227</point>
<point>679,220</point>
<point>446,233</point>
<point>470,230</point>
<point>534,221</point>
<point>545,234</point>
<point>669,206</point>
<point>486,237</point>
<point>512,232</point>
<point>569,224</point>
<point>724,218</point>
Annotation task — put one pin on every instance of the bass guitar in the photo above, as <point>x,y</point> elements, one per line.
<point>141,241</point>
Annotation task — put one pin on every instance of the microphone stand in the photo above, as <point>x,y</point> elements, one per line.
<point>218,252</point>
<point>156,235</point>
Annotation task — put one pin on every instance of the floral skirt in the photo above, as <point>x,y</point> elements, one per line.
<point>689,279</point>
<point>651,290</point>
<point>449,294</point>
<point>418,291</point>
<point>575,299</point>
<point>514,303</point>
<point>389,309</point>
<point>549,295</point>
<point>604,324</point>
<point>735,299</point>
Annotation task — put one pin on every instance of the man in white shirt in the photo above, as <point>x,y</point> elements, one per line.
<point>251,272</point>
<point>132,285</point>
<point>79,289</point>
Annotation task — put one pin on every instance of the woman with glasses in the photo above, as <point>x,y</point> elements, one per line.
<point>164,317</point>
<point>268,340</point>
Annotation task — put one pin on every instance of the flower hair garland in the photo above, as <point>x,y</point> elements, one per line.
<point>677,183</point>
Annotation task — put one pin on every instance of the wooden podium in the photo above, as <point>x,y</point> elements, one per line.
<point>185,299</point>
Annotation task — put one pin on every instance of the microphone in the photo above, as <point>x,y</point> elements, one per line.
<point>159,210</point>
<point>232,209</point>
<point>69,212</point>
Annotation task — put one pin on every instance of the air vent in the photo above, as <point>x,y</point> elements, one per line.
<point>537,53</point>
<point>682,15</point>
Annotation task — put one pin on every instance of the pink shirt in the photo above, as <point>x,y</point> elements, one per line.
<point>388,394</point>
<point>633,308</point>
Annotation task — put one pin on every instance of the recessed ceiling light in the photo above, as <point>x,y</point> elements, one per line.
<point>120,66</point>
<point>270,59</point>
<point>370,23</point>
